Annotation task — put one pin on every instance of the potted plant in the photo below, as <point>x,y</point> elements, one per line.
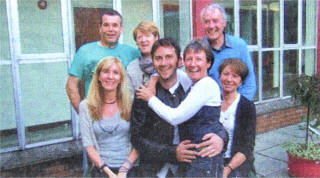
<point>304,158</point>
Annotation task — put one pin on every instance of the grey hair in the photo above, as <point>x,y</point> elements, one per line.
<point>212,7</point>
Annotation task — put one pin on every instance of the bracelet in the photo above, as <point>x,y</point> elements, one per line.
<point>129,162</point>
<point>102,166</point>
<point>229,167</point>
<point>123,169</point>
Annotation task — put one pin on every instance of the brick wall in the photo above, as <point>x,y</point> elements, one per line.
<point>280,118</point>
<point>66,167</point>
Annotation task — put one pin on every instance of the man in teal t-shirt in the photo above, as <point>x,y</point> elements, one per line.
<point>88,55</point>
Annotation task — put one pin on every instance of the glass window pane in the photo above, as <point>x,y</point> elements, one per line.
<point>270,23</point>
<point>248,21</point>
<point>290,21</point>
<point>142,11</point>
<point>270,74</point>
<point>8,131</point>
<point>40,29</point>
<point>86,18</point>
<point>4,35</point>
<point>229,7</point>
<point>45,105</point>
<point>290,69</point>
<point>308,61</point>
<point>309,21</point>
<point>255,60</point>
<point>176,13</point>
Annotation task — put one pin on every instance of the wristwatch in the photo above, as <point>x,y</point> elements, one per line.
<point>101,167</point>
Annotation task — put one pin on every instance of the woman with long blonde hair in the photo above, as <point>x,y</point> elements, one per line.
<point>104,117</point>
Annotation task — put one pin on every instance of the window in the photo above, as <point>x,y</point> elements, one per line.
<point>290,68</point>
<point>175,21</point>
<point>43,32</point>
<point>8,131</point>
<point>279,49</point>
<point>142,11</point>
<point>309,20</point>
<point>270,23</point>
<point>4,35</point>
<point>308,61</point>
<point>45,107</point>
<point>34,108</point>
<point>290,22</point>
<point>229,7</point>
<point>248,21</point>
<point>270,74</point>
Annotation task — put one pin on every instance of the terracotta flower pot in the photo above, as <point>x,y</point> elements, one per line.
<point>301,167</point>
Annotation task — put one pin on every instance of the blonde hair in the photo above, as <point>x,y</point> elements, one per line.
<point>95,94</point>
<point>146,26</point>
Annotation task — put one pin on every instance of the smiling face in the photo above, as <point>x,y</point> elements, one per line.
<point>145,41</point>
<point>110,30</point>
<point>110,77</point>
<point>229,80</point>
<point>214,24</point>
<point>196,64</point>
<point>165,62</point>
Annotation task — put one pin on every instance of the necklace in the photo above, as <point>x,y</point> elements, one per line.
<point>112,102</point>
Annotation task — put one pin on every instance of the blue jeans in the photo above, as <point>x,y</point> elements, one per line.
<point>204,167</point>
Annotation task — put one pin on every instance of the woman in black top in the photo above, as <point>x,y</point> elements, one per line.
<point>238,116</point>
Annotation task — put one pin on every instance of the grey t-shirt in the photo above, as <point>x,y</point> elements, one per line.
<point>112,136</point>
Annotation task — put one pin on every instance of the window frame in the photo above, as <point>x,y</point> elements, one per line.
<point>18,58</point>
<point>282,47</point>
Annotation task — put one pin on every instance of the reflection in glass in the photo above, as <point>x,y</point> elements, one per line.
<point>291,22</point>
<point>248,21</point>
<point>175,17</point>
<point>309,21</point>
<point>290,69</point>
<point>308,61</point>
<point>270,74</point>
<point>45,106</point>
<point>270,23</point>
<point>8,131</point>
<point>255,60</point>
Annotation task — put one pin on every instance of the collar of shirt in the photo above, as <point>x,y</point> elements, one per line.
<point>116,45</point>
<point>174,87</point>
<point>226,43</point>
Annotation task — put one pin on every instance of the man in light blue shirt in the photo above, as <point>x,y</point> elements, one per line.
<point>226,46</point>
<point>87,57</point>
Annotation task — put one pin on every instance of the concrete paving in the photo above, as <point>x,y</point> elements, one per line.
<point>270,157</point>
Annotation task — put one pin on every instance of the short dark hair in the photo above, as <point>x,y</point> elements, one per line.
<point>236,65</point>
<point>200,45</point>
<point>167,41</point>
<point>111,12</point>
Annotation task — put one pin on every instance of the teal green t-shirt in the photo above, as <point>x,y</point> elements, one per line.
<point>88,56</point>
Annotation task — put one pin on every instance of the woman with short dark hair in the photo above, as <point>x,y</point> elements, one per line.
<point>238,116</point>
